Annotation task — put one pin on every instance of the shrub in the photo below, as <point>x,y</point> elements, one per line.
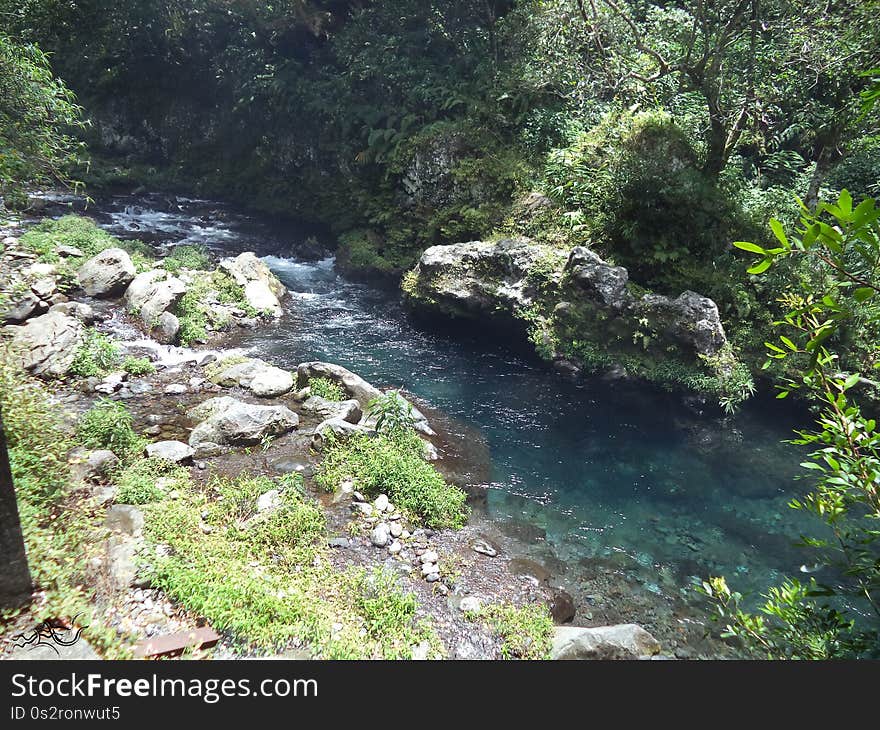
<point>96,355</point>
<point>394,464</point>
<point>327,389</point>
<point>107,425</point>
<point>138,483</point>
<point>138,366</point>
<point>526,632</point>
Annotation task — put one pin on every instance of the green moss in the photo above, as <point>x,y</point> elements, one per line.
<point>187,256</point>
<point>394,464</point>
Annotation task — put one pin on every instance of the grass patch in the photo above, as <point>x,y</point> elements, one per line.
<point>76,231</point>
<point>149,480</point>
<point>138,366</point>
<point>107,425</point>
<point>263,579</point>
<point>394,464</point>
<point>195,310</point>
<point>187,256</point>
<point>97,355</point>
<point>327,389</point>
<point>60,535</point>
<point>526,632</point>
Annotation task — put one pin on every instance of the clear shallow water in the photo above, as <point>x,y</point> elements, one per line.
<point>622,474</point>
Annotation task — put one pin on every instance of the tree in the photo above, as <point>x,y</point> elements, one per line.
<point>767,72</point>
<point>36,113</point>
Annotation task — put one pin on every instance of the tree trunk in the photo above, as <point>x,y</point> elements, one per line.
<point>15,577</point>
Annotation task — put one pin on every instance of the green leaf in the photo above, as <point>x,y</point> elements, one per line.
<point>760,267</point>
<point>750,247</point>
<point>779,232</point>
<point>788,343</point>
<point>862,294</point>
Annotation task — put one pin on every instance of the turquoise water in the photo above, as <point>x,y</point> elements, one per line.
<point>624,476</point>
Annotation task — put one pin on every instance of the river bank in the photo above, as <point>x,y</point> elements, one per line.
<point>541,540</point>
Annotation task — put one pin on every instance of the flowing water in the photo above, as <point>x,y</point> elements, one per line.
<point>587,474</point>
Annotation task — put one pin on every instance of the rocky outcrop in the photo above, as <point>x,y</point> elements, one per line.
<point>33,290</point>
<point>226,421</point>
<point>347,410</point>
<point>262,289</point>
<point>355,386</point>
<point>624,641</point>
<point>46,345</point>
<point>106,274</point>
<point>566,298</point>
<point>481,277</point>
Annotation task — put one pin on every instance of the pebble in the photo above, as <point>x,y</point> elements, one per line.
<point>433,577</point>
<point>396,529</point>
<point>381,503</point>
<point>153,430</point>
<point>207,529</point>
<point>339,542</point>
<point>365,508</point>
<point>358,497</point>
<point>379,535</point>
<point>484,548</point>
<point>395,547</point>
<point>429,568</point>
<point>175,389</point>
<point>202,465</point>
<point>429,556</point>
<point>442,589</point>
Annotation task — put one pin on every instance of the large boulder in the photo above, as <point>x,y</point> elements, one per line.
<point>262,289</point>
<point>623,641</point>
<point>603,283</point>
<point>106,274</point>
<point>46,345</point>
<point>355,386</point>
<point>348,410</point>
<point>153,293</point>
<point>227,421</point>
<point>483,277</point>
<point>261,378</point>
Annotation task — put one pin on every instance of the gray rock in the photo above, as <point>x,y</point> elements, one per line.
<point>396,529</point>
<point>83,312</point>
<point>166,328</point>
<point>122,560</point>
<point>27,306</point>
<point>470,604</point>
<point>623,641</point>
<point>175,389</point>
<point>347,410</point>
<point>125,518</point>
<point>261,378</point>
<point>46,345</point>
<point>340,429</point>
<point>262,289</point>
<point>379,535</point>
<point>89,466</point>
<point>484,548</point>
<point>152,293</point>
<point>174,451</point>
<point>354,385</point>
<point>69,252</point>
<point>269,501</point>
<point>106,274</point>
<point>338,542</point>
<point>227,421</point>
<point>381,503</point>
<point>601,282</point>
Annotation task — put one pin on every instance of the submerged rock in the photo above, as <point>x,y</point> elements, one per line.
<point>227,421</point>
<point>623,641</point>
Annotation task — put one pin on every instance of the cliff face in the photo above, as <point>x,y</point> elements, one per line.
<point>581,313</point>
